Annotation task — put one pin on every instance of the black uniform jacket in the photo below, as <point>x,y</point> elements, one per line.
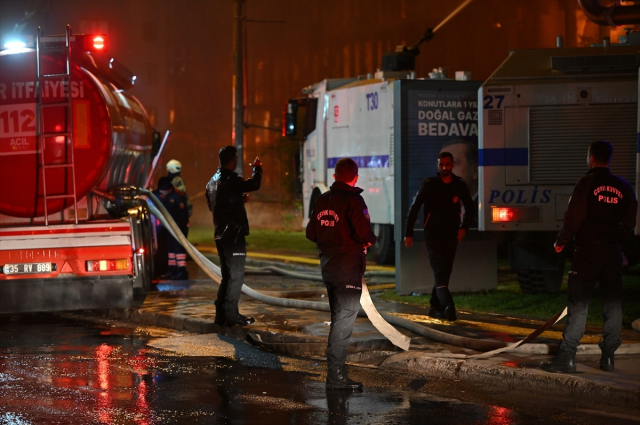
<point>176,204</point>
<point>341,228</point>
<point>442,208</point>
<point>225,200</point>
<point>181,188</point>
<point>602,209</point>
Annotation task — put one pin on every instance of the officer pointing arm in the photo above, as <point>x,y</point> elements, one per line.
<point>225,196</point>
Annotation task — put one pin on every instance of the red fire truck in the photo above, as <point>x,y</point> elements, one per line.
<point>74,145</point>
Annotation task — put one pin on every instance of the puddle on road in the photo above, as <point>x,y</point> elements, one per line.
<point>58,371</point>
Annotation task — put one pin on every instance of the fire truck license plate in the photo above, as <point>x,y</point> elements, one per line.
<point>27,268</point>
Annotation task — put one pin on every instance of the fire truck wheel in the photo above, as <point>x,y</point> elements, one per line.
<point>384,248</point>
<point>143,234</point>
<point>541,281</point>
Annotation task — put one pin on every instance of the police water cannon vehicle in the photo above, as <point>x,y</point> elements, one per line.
<point>367,118</point>
<point>74,144</point>
<point>539,111</point>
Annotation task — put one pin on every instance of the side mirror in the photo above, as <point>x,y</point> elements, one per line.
<point>299,118</point>
<point>290,119</point>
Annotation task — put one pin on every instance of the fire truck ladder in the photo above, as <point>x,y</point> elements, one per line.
<point>42,136</point>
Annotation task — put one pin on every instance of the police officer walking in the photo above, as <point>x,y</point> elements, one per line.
<point>340,225</point>
<point>442,196</point>
<point>601,214</point>
<point>226,196</point>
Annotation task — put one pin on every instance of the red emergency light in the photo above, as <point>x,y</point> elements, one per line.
<point>502,214</point>
<point>98,42</point>
<point>92,42</point>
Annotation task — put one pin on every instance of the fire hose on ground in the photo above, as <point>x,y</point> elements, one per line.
<point>316,277</point>
<point>382,321</point>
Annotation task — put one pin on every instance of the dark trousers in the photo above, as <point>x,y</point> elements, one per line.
<point>172,243</point>
<point>593,264</point>
<point>233,254</point>
<point>344,300</point>
<point>442,252</point>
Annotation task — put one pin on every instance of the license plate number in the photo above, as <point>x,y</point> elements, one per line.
<point>27,268</point>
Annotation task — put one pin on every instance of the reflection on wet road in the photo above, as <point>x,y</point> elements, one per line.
<point>59,371</point>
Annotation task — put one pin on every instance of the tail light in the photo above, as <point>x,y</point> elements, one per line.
<point>519,214</point>
<point>503,214</point>
<point>107,265</point>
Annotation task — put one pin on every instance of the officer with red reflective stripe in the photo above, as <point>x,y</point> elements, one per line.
<point>341,228</point>
<point>442,197</point>
<point>176,204</point>
<point>601,215</point>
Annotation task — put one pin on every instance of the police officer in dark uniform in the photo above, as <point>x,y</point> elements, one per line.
<point>176,204</point>
<point>226,196</point>
<point>442,196</point>
<point>341,227</point>
<point>601,214</point>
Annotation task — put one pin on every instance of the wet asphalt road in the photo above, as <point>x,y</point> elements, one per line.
<point>54,370</point>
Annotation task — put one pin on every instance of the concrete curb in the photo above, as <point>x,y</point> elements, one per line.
<point>476,371</point>
<point>534,381</point>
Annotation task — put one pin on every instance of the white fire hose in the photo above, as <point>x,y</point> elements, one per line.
<point>381,321</point>
<point>213,271</point>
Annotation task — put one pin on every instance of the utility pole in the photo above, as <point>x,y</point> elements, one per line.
<point>237,134</point>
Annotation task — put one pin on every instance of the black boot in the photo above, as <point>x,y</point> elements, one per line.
<point>171,272</point>
<point>606,361</point>
<point>450,313</point>
<point>240,321</point>
<point>219,320</point>
<point>435,312</point>
<point>338,379</point>
<point>181,274</point>
<point>563,362</point>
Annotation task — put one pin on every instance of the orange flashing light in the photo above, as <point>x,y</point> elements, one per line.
<point>98,42</point>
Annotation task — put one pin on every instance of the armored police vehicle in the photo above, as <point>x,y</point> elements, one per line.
<point>539,110</point>
<point>367,119</point>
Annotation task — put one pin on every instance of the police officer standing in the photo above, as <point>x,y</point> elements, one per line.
<point>442,196</point>
<point>601,214</point>
<point>341,228</point>
<point>226,196</point>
